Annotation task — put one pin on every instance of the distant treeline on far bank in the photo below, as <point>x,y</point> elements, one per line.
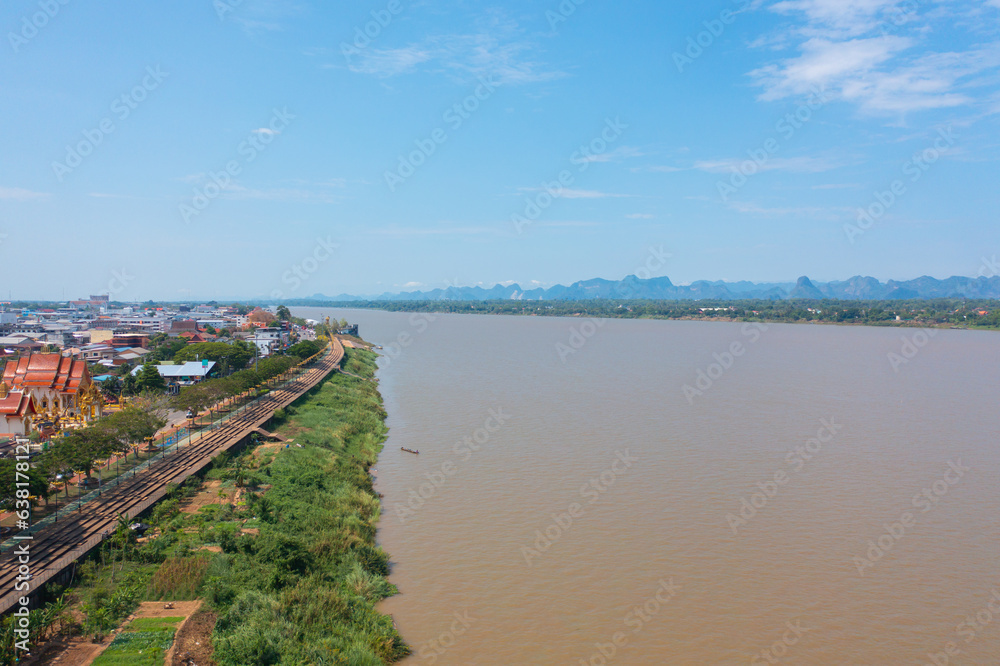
<point>958,312</point>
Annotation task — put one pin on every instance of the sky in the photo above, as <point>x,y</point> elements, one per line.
<point>223,149</point>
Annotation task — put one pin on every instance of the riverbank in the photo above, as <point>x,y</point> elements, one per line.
<point>278,540</point>
<point>943,313</point>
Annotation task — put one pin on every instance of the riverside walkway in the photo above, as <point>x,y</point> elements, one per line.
<point>54,547</point>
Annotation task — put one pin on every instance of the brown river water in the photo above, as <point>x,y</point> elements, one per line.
<point>656,492</point>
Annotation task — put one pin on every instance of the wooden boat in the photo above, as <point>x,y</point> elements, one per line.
<point>403,448</point>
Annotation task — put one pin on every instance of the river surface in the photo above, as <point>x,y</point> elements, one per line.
<point>817,495</point>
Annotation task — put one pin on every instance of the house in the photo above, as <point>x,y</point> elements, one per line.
<point>268,340</point>
<point>183,374</point>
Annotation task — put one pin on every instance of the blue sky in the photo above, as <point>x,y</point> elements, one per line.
<point>264,148</point>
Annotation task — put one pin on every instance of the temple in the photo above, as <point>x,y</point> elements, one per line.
<point>59,389</point>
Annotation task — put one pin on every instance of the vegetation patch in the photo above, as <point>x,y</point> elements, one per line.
<point>179,578</point>
<point>137,648</point>
<point>284,556</point>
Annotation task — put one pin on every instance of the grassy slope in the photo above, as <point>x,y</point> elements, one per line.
<point>304,590</point>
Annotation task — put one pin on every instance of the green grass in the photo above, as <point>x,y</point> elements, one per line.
<point>154,623</point>
<point>304,590</point>
<point>137,648</point>
<point>301,591</point>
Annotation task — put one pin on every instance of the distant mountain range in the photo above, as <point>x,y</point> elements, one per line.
<point>661,288</point>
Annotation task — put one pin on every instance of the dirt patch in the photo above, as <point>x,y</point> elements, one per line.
<point>208,494</point>
<point>76,651</point>
<point>80,651</point>
<point>252,531</point>
<point>156,609</point>
<point>268,447</point>
<point>193,641</point>
<point>211,549</point>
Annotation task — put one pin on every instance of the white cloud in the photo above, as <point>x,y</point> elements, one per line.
<point>413,285</point>
<point>566,193</point>
<point>865,52</point>
<point>640,216</point>
<point>794,164</point>
<point>391,62</point>
<point>496,49</point>
<point>616,155</point>
<point>21,194</point>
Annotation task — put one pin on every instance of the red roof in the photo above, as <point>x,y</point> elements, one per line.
<point>54,371</point>
<point>16,404</point>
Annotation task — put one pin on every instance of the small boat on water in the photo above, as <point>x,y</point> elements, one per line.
<point>403,448</point>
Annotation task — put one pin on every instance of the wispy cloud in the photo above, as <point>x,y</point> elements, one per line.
<point>21,194</point>
<point>498,48</point>
<point>566,193</point>
<point>802,164</point>
<point>640,216</point>
<point>864,52</point>
<point>407,232</point>
<point>617,155</point>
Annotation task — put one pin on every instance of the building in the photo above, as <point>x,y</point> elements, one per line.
<point>16,411</point>
<point>349,330</point>
<point>60,387</point>
<point>183,374</point>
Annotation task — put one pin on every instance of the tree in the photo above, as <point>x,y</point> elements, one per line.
<point>149,379</point>
<point>82,447</point>
<point>284,313</point>
<point>129,385</point>
<point>38,484</point>
<point>112,384</point>
<point>230,357</point>
<point>304,349</point>
<point>131,426</point>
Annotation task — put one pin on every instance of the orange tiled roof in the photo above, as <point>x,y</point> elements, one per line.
<point>16,404</point>
<point>54,371</point>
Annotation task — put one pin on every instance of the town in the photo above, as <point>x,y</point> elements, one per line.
<point>66,367</point>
